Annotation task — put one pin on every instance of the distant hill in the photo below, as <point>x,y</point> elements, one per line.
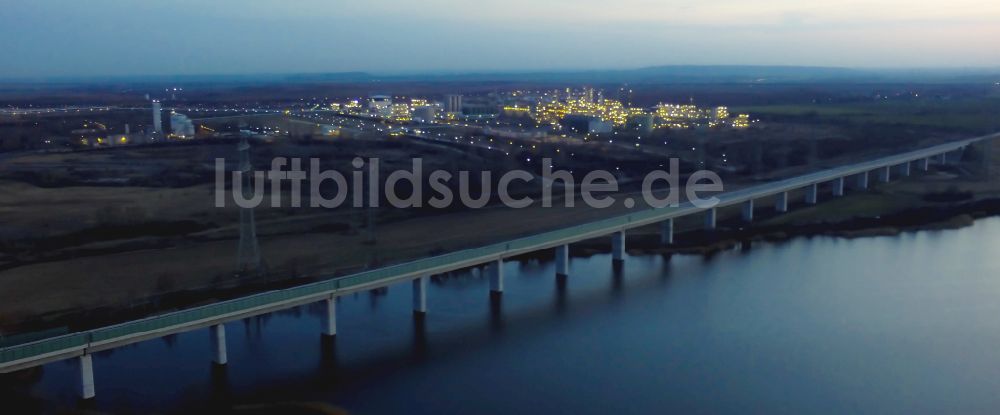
<point>723,74</point>
<point>674,74</point>
<point>649,75</point>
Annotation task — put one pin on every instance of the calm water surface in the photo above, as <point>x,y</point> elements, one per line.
<point>907,324</point>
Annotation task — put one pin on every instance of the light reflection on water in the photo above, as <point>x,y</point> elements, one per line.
<point>888,324</point>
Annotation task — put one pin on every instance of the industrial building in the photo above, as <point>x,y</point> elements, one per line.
<point>181,126</point>
<point>424,114</point>
<point>157,121</point>
<point>586,124</point>
<point>453,104</point>
<point>380,105</point>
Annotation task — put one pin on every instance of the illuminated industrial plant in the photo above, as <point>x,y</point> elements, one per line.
<point>585,110</point>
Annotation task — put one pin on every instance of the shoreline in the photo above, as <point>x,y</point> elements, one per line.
<point>727,236</point>
<point>731,233</point>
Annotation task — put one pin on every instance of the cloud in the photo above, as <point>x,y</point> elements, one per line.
<point>101,37</point>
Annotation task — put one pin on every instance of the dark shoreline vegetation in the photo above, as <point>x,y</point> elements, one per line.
<point>731,234</point>
<point>914,219</point>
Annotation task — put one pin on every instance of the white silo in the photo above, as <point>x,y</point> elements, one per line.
<point>157,122</point>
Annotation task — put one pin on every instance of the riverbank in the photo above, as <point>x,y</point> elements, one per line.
<point>87,292</point>
<point>911,220</point>
<point>731,233</point>
<point>835,311</point>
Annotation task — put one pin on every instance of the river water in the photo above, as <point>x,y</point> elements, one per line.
<point>905,324</point>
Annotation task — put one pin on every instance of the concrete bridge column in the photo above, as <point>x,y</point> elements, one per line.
<point>86,377</point>
<point>218,336</point>
<point>943,158</point>
<point>862,181</point>
<point>838,186</point>
<point>618,246</point>
<point>904,169</point>
<point>667,232</point>
<point>710,219</point>
<point>781,205</point>
<point>748,211</point>
<point>496,276</point>
<point>812,194</point>
<point>420,295</point>
<point>562,260</point>
<point>884,174</point>
<point>925,164</point>
<point>985,149</point>
<point>330,319</point>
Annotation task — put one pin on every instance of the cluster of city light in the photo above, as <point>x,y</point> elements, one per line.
<point>401,112</point>
<point>517,109</point>
<point>741,121</point>
<point>553,106</point>
<point>721,113</point>
<point>549,107</point>
<point>669,112</point>
<point>688,115</point>
<point>607,110</point>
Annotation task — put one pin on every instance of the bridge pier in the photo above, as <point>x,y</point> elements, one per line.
<point>904,169</point>
<point>925,163</point>
<point>218,336</point>
<point>862,181</point>
<point>812,194</point>
<point>496,276</point>
<point>943,158</point>
<point>884,174</point>
<point>985,150</point>
<point>748,211</point>
<point>710,219</point>
<point>330,319</point>
<point>420,295</point>
<point>667,232</point>
<point>781,205</point>
<point>838,186</point>
<point>86,376</point>
<point>562,260</point>
<point>618,246</point>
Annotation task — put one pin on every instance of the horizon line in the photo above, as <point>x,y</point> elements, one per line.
<point>962,69</point>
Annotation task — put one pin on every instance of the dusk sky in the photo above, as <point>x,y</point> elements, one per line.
<point>50,38</point>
